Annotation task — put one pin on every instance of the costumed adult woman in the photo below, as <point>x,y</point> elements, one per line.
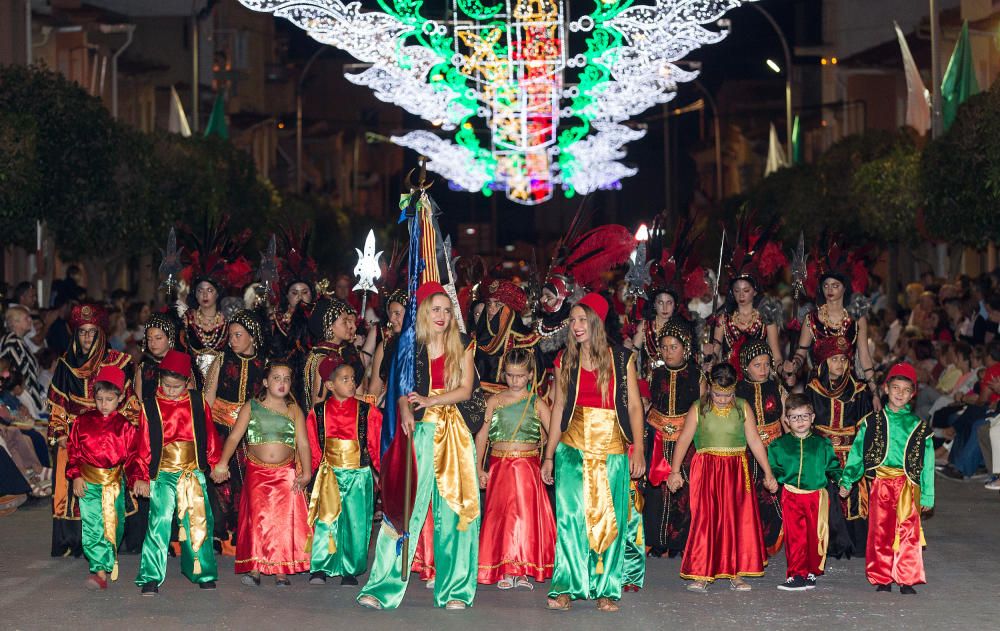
<point>395,310</point>
<point>274,527</point>
<point>70,395</point>
<point>334,322</point>
<point>747,314</point>
<point>597,414</point>
<point>725,539</point>
<point>674,386</point>
<point>233,379</point>
<point>499,330</point>
<point>841,312</point>
<point>766,397</point>
<point>290,339</point>
<point>204,327</point>
<point>159,337</point>
<point>660,306</point>
<point>445,463</point>
<point>559,293</point>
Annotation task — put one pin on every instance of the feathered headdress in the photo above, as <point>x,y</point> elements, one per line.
<point>588,257</point>
<point>295,266</point>
<point>757,257</point>
<point>215,257</point>
<point>674,268</point>
<point>832,260</point>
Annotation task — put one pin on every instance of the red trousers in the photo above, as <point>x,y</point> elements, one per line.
<point>805,542</point>
<point>889,561</point>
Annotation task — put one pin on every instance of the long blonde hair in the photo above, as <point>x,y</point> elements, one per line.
<point>597,352</point>
<point>454,352</point>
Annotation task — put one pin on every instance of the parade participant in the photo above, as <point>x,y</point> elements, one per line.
<point>766,397</point>
<point>234,378</point>
<point>71,393</point>
<point>159,336</point>
<point>841,405</point>
<point>895,451</point>
<point>445,462</point>
<point>839,276</point>
<point>204,327</point>
<point>518,527</point>
<point>804,463</point>
<point>675,386</point>
<point>101,461</point>
<point>177,444</point>
<point>395,310</point>
<point>661,304</point>
<point>334,322</point>
<point>344,434</point>
<point>596,415</point>
<point>273,528</point>
<point>290,340</point>
<point>725,539</point>
<point>747,314</point>
<point>499,330</point>
<point>559,293</point>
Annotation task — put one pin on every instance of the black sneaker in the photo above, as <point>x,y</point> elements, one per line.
<point>951,472</point>
<point>907,589</point>
<point>811,581</point>
<point>317,578</point>
<point>207,585</point>
<point>348,580</point>
<point>883,588</point>
<point>150,589</point>
<point>794,584</point>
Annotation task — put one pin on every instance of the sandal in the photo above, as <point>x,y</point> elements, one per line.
<point>699,587</point>
<point>455,605</point>
<point>739,585</point>
<point>559,603</point>
<point>282,581</point>
<point>369,602</point>
<point>505,583</point>
<point>522,582</point>
<point>607,605</point>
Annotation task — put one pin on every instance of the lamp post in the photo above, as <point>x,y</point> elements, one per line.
<point>788,76</point>
<point>298,118</point>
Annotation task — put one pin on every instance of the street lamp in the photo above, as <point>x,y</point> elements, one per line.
<point>788,75</point>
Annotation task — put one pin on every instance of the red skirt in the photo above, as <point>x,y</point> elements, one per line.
<point>725,540</point>
<point>273,522</point>
<point>518,531</point>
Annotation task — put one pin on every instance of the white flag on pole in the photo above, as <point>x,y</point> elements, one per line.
<point>775,153</point>
<point>178,120</point>
<point>918,103</point>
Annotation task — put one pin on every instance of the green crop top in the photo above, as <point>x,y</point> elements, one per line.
<point>267,426</point>
<point>718,431</point>
<point>516,422</point>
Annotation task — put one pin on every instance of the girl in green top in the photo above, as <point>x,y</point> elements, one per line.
<point>725,540</point>
<point>518,532</point>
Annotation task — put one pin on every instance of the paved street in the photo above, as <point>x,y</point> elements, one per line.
<point>38,592</point>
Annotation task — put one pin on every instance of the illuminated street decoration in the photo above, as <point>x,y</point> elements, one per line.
<point>527,114</point>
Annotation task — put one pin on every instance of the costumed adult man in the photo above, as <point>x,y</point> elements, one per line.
<point>499,330</point>
<point>70,395</point>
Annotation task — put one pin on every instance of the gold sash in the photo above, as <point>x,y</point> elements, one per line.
<point>595,433</point>
<point>182,457</point>
<point>454,461</point>
<point>110,482</point>
<point>822,520</point>
<point>510,453</point>
<point>909,497</point>
<point>669,426</point>
<point>325,502</point>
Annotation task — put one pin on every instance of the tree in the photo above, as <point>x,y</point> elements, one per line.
<point>886,192</point>
<point>20,180</point>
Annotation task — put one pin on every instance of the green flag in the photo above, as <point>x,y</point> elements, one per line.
<point>796,142</point>
<point>959,81</point>
<point>217,120</point>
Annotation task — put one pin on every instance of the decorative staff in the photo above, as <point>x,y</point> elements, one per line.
<point>268,273</point>
<point>367,270</point>
<point>171,266</point>
<point>715,297</point>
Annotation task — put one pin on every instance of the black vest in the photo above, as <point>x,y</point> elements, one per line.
<point>620,357</point>
<point>320,410</point>
<point>877,446</point>
<point>155,424</point>
<point>472,410</point>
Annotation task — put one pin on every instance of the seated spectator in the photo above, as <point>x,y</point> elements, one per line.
<point>966,456</point>
<point>15,349</point>
<point>894,325</point>
<point>921,316</point>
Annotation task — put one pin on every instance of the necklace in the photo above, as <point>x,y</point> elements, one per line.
<point>549,331</point>
<point>723,409</point>
<point>208,336</point>
<point>746,323</point>
<point>836,328</point>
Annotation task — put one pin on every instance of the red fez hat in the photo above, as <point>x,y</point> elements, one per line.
<point>428,289</point>
<point>329,365</point>
<point>827,347</point>
<point>903,370</point>
<point>597,302</point>
<point>113,375</point>
<point>88,314</point>
<point>176,362</point>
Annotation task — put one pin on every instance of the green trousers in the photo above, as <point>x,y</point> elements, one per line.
<point>575,570</point>
<point>162,507</point>
<point>456,554</point>
<point>351,532</point>
<point>100,553</point>
<point>635,545</point>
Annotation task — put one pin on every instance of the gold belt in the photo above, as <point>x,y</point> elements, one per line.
<point>510,453</point>
<point>182,457</point>
<point>596,434</point>
<point>730,452</point>
<point>669,426</point>
<point>454,462</point>
<point>270,465</point>
<point>342,453</point>
<point>225,412</point>
<point>110,482</point>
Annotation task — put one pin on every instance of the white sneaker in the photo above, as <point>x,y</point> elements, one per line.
<point>429,584</point>
<point>993,484</point>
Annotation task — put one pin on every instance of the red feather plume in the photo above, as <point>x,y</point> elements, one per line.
<point>596,252</point>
